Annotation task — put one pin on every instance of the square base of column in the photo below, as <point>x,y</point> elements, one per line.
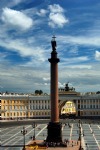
<point>54,132</point>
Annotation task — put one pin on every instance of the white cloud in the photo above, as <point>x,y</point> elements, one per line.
<point>84,77</point>
<point>27,78</point>
<point>16,1</point>
<point>2,55</point>
<point>74,60</point>
<point>24,49</point>
<point>56,8</point>
<point>36,46</point>
<point>61,84</point>
<point>46,84</point>
<point>56,16</point>
<point>42,12</point>
<point>57,19</point>
<point>83,58</point>
<point>16,19</point>
<point>73,50</point>
<point>81,66</point>
<point>81,40</point>
<point>46,79</point>
<point>97,55</point>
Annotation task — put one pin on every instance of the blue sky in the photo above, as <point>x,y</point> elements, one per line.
<point>26,29</point>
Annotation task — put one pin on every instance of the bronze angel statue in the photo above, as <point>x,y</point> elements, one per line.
<point>53,43</point>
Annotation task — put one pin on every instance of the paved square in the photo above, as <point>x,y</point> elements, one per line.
<point>13,139</point>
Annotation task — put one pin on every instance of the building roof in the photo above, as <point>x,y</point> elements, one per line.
<point>47,97</point>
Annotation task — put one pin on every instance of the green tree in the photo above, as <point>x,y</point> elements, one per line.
<point>38,92</point>
<point>98,92</point>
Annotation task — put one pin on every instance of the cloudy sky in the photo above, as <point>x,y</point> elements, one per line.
<point>26,29</point>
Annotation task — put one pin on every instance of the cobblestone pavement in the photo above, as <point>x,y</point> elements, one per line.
<point>13,139</point>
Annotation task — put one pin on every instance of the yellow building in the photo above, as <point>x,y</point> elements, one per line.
<point>14,107</point>
<point>24,106</point>
<point>20,107</point>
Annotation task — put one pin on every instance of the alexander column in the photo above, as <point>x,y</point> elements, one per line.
<point>54,128</point>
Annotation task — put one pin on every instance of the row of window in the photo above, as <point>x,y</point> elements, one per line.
<point>90,101</point>
<point>15,101</point>
<point>39,107</point>
<point>32,107</point>
<point>25,101</point>
<point>15,114</point>
<point>90,113</point>
<point>90,106</point>
<point>41,101</point>
<point>14,107</point>
<point>19,114</point>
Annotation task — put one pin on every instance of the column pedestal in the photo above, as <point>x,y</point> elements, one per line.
<point>54,132</point>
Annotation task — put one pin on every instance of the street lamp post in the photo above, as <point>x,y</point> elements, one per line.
<point>80,148</point>
<point>33,125</point>
<point>24,132</point>
<point>17,116</point>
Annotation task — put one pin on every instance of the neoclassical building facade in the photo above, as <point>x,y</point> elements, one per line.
<point>25,106</point>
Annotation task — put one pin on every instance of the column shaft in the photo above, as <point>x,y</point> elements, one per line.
<point>54,93</point>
